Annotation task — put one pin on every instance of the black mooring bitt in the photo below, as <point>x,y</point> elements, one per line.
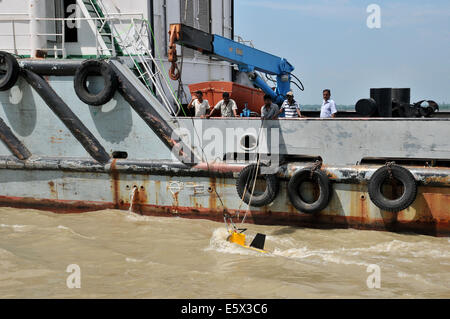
<point>259,241</point>
<point>65,114</point>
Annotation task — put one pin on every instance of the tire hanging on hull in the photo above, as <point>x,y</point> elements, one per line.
<point>9,71</point>
<point>393,172</point>
<point>309,175</point>
<point>245,182</point>
<point>95,68</point>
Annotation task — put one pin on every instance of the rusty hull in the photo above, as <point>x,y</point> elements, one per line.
<point>191,193</point>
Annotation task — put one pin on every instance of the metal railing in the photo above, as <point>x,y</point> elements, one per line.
<point>60,46</point>
<point>134,44</point>
<point>239,39</point>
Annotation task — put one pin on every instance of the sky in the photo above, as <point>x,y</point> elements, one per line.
<point>331,46</point>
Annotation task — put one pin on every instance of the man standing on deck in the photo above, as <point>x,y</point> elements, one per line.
<point>269,111</point>
<point>290,107</point>
<point>328,107</point>
<point>227,107</point>
<point>201,106</point>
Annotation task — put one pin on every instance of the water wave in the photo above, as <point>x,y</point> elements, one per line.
<point>74,232</point>
<point>18,228</point>
<point>397,250</point>
<point>219,243</point>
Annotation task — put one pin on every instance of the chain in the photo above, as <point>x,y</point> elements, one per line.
<point>389,167</point>
<point>315,167</point>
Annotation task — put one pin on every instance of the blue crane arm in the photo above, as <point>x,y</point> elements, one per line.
<point>248,59</point>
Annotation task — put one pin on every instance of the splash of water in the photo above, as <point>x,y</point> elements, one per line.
<point>132,197</point>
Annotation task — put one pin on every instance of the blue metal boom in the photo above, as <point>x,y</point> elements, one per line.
<point>248,59</point>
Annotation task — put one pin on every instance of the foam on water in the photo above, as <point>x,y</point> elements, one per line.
<point>394,251</point>
<point>219,243</point>
<point>401,248</point>
<point>132,260</point>
<point>18,228</point>
<point>74,232</point>
<point>173,257</point>
<point>318,256</point>
<point>136,218</point>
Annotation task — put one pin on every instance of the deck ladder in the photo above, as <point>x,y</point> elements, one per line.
<point>134,44</point>
<point>106,43</point>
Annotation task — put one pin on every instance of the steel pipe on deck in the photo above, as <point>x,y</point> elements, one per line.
<point>433,176</point>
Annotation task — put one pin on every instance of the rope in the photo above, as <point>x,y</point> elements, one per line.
<point>164,69</point>
<point>389,167</point>
<point>316,166</point>
<point>249,176</point>
<point>256,176</point>
<point>253,191</point>
<point>180,79</point>
<point>181,89</point>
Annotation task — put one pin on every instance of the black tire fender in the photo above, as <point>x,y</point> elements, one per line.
<point>92,68</point>
<point>409,188</point>
<point>10,71</point>
<point>244,185</point>
<point>302,176</point>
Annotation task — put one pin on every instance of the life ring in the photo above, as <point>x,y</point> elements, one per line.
<point>307,175</point>
<point>9,69</point>
<point>401,174</point>
<point>93,68</point>
<point>245,182</point>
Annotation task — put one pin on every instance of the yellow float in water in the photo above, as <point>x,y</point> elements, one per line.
<point>256,245</point>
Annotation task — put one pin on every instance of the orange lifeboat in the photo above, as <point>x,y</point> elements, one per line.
<point>212,91</point>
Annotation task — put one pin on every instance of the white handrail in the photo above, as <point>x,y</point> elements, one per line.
<point>17,17</point>
<point>134,43</point>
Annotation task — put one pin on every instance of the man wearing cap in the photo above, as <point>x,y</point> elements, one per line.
<point>227,107</point>
<point>200,105</point>
<point>290,107</point>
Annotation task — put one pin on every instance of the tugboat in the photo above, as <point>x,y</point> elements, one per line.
<point>92,118</point>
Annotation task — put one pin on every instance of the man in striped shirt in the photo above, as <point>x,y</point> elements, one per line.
<point>290,107</point>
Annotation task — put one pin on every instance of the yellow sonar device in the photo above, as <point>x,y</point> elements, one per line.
<point>238,237</point>
<point>256,245</point>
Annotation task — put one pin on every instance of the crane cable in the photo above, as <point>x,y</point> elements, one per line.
<point>180,85</point>
<point>258,163</point>
<point>204,158</point>
<point>300,82</point>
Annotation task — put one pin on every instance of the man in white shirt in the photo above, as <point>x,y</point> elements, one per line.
<point>227,107</point>
<point>200,105</point>
<point>290,107</point>
<point>328,106</point>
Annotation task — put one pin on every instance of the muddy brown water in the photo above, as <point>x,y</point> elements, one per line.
<point>122,255</point>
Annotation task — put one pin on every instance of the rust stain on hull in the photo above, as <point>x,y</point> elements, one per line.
<point>54,205</point>
<point>115,184</point>
<point>435,226</point>
<point>53,191</point>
